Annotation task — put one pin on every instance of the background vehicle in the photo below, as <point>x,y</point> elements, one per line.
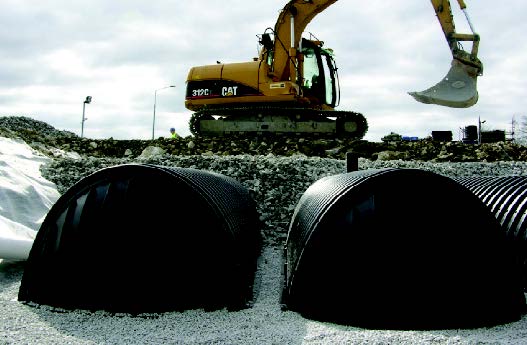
<point>293,86</point>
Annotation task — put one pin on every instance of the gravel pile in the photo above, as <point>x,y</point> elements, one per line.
<point>48,140</point>
<point>276,183</point>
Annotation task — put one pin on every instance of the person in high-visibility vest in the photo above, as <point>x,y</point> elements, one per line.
<point>173,133</point>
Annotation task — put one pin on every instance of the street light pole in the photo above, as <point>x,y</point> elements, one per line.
<point>87,101</point>
<point>155,101</point>
<point>479,129</point>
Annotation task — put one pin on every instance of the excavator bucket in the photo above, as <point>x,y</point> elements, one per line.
<point>458,88</point>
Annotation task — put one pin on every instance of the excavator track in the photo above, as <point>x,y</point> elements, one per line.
<point>293,121</point>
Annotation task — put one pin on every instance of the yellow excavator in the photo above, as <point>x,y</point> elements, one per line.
<point>292,88</point>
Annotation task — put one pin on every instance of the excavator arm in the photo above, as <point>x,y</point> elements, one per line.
<point>458,89</point>
<point>446,19</point>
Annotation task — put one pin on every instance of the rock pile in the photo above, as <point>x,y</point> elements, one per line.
<point>47,139</point>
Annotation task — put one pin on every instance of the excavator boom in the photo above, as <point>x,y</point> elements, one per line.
<point>458,89</point>
<point>293,19</point>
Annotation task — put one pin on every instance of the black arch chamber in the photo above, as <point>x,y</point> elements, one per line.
<point>506,198</point>
<point>399,249</point>
<point>144,238</point>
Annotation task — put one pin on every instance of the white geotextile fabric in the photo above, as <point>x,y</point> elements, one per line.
<point>25,197</point>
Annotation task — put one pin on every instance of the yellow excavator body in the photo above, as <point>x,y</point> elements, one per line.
<point>235,83</point>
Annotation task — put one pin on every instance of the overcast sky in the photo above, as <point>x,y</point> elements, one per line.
<point>57,52</point>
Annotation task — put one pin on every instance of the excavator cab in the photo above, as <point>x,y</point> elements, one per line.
<point>320,78</point>
<point>458,89</point>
